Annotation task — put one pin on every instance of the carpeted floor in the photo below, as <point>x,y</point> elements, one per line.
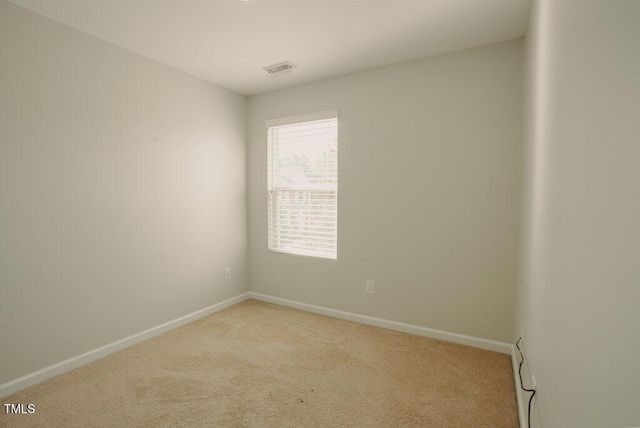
<point>262,365</point>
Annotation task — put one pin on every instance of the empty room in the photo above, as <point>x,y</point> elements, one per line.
<point>332,213</point>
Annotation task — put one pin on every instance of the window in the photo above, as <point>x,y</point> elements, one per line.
<point>302,184</point>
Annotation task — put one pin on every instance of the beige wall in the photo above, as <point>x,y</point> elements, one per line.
<point>579,276</point>
<point>122,193</point>
<point>429,181</point>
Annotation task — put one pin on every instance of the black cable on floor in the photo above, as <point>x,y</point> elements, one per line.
<point>533,391</point>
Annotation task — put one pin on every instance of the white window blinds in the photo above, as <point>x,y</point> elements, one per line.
<point>302,155</point>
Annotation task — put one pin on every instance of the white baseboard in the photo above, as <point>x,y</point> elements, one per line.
<point>492,345</point>
<point>516,375</point>
<point>95,354</point>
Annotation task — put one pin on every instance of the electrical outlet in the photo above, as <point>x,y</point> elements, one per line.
<point>227,273</point>
<point>370,287</point>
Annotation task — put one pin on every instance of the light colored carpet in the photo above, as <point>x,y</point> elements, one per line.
<point>261,365</point>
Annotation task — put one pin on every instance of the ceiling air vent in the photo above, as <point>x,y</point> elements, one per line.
<point>279,69</point>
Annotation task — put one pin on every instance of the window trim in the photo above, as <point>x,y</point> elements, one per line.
<point>289,120</point>
<point>308,117</point>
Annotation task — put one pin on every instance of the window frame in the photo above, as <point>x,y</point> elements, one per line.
<point>293,120</point>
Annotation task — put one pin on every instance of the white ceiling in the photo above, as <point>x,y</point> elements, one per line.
<point>228,42</point>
